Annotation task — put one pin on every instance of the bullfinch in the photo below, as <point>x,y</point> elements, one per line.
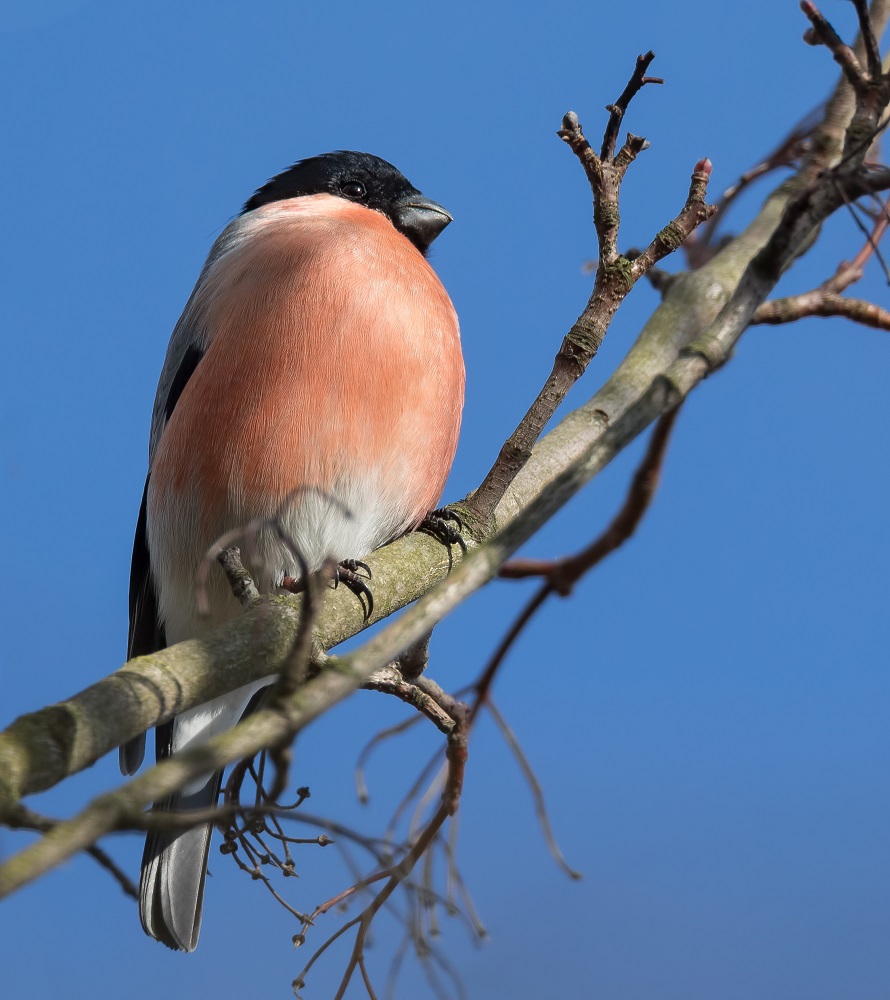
<point>315,377</point>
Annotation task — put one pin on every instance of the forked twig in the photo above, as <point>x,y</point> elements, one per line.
<point>615,276</point>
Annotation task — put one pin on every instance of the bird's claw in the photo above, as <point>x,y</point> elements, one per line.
<point>445,525</point>
<point>348,574</point>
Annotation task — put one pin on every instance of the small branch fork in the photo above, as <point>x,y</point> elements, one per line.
<point>822,33</point>
<point>561,575</point>
<point>870,84</point>
<point>616,274</point>
<point>617,110</point>
<point>827,300</point>
<point>395,875</point>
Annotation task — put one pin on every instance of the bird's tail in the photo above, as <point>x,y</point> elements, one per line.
<point>174,869</point>
<point>174,864</point>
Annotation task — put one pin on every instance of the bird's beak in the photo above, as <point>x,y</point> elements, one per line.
<point>420,219</point>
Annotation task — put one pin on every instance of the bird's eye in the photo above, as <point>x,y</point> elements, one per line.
<point>354,189</point>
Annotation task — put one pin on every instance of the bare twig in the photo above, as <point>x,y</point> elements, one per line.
<point>617,110</point>
<point>26,819</point>
<point>456,755</point>
<point>849,273</point>
<point>615,276</point>
<point>826,300</point>
<point>563,574</point>
<point>821,303</point>
<point>693,213</point>
<point>361,786</point>
<point>390,681</point>
<point>867,31</point>
<point>822,33</point>
<point>535,788</point>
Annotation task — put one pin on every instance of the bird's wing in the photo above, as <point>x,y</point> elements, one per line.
<point>188,345</point>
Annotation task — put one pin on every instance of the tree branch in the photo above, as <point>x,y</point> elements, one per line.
<point>692,333</point>
<point>821,303</point>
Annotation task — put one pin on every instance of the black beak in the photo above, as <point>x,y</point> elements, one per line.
<point>420,219</point>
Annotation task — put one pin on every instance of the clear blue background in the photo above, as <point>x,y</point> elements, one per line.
<point>708,713</point>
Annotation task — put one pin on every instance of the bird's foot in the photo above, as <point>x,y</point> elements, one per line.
<point>354,575</point>
<point>445,525</point>
<point>351,573</point>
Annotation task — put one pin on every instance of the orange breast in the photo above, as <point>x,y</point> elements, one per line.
<point>333,356</point>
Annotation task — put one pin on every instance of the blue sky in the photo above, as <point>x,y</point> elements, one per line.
<point>707,714</point>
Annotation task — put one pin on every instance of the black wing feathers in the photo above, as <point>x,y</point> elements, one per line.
<point>146,633</point>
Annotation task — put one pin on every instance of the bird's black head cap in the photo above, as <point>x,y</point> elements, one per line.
<point>366,180</point>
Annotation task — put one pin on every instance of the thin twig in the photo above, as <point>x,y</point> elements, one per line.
<point>26,819</point>
<point>849,273</point>
<point>615,276</point>
<point>826,300</point>
<point>699,246</point>
<point>534,787</point>
<point>822,33</point>
<point>867,31</point>
<point>616,111</point>
<point>361,787</point>
<point>819,303</point>
<point>561,575</point>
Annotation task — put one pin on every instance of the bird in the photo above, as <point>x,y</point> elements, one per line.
<point>315,379</point>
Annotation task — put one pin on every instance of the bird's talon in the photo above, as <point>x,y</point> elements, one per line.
<point>347,573</point>
<point>354,565</point>
<point>438,524</point>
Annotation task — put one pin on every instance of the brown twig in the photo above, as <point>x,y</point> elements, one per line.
<point>258,852</point>
<point>615,276</point>
<point>872,51</point>
<point>822,33</point>
<point>826,300</point>
<point>390,681</point>
<point>449,703</point>
<point>534,786</point>
<point>693,213</point>
<point>432,702</point>
<point>26,819</point>
<point>361,786</point>
<point>848,273</point>
<point>227,553</point>
<point>821,303</point>
<point>616,111</point>
<point>563,574</point>
<point>456,755</point>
